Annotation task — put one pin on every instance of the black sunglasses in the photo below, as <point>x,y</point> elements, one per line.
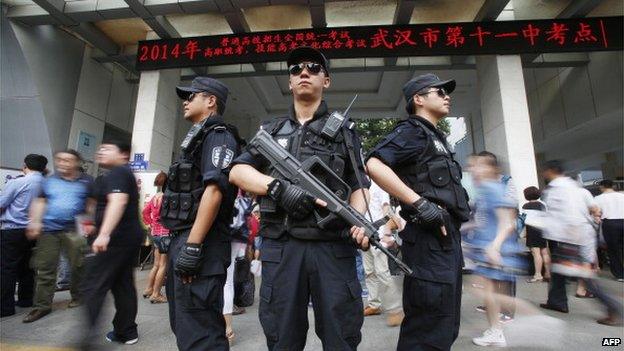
<point>313,68</point>
<point>441,92</point>
<point>191,97</point>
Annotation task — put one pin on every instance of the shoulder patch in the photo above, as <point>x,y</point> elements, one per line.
<point>222,156</point>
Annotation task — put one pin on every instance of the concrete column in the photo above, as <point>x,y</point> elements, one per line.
<point>540,158</point>
<point>505,117</point>
<point>156,117</point>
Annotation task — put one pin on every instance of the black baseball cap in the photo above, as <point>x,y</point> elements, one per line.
<point>204,85</point>
<point>307,53</point>
<point>421,82</point>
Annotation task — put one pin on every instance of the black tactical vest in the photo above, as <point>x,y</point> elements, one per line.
<point>303,142</point>
<point>436,175</point>
<point>185,186</point>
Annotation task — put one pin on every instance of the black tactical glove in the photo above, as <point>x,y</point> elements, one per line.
<point>189,261</point>
<point>296,201</point>
<point>425,212</point>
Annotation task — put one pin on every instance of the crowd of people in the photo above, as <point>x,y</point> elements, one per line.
<point>222,211</point>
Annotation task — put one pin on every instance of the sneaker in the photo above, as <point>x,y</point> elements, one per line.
<point>74,303</point>
<point>112,337</point>
<point>481,309</point>
<point>491,337</point>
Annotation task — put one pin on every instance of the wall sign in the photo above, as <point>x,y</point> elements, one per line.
<point>470,38</point>
<point>139,164</point>
<point>86,145</point>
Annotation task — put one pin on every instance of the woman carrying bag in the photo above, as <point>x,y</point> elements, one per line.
<point>160,238</point>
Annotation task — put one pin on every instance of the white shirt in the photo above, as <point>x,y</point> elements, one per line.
<point>568,205</point>
<point>511,192</point>
<point>378,198</point>
<point>611,204</point>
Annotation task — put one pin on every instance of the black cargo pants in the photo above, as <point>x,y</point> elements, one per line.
<point>432,295</point>
<point>196,309</point>
<point>295,271</point>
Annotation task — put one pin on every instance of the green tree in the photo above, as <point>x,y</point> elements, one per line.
<point>444,126</point>
<point>373,130</point>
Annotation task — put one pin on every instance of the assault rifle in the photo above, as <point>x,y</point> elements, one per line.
<point>288,167</point>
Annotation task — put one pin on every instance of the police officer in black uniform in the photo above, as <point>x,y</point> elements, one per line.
<point>197,208</point>
<point>415,164</point>
<point>301,260</point>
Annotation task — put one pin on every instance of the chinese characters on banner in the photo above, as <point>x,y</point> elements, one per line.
<point>504,37</point>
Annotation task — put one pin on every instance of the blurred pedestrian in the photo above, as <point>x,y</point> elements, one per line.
<point>253,222</point>
<point>63,196</point>
<point>496,245</point>
<point>534,239</point>
<point>160,238</point>
<point>382,290</point>
<point>611,205</point>
<point>63,279</point>
<point>240,237</point>
<point>117,240</point>
<point>15,248</point>
<point>572,241</point>
<point>508,287</point>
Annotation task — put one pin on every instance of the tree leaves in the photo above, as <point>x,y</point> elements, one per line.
<point>371,131</point>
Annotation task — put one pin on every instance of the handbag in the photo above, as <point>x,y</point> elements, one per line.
<point>244,283</point>
<point>162,243</point>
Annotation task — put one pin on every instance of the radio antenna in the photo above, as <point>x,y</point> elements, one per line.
<point>349,107</point>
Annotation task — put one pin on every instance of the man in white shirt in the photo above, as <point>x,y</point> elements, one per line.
<point>378,277</point>
<point>611,205</point>
<point>572,241</point>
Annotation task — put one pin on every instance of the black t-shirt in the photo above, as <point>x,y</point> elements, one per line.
<point>533,205</point>
<point>128,231</point>
<point>404,144</point>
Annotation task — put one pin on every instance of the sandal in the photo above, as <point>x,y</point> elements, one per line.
<point>587,295</point>
<point>535,280</point>
<point>147,293</point>
<point>158,299</point>
<point>230,336</point>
